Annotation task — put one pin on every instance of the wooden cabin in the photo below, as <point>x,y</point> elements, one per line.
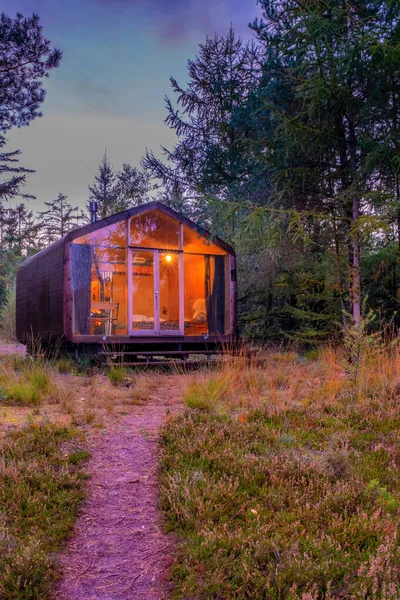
<point>143,279</point>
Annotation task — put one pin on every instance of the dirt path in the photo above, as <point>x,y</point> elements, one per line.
<point>119,550</point>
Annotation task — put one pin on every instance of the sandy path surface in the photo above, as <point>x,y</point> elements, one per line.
<point>118,550</point>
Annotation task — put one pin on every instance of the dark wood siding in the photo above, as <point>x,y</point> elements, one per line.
<point>40,288</point>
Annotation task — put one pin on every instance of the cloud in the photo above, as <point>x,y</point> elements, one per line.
<point>177,20</point>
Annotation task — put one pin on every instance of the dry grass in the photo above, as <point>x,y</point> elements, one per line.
<point>284,481</point>
<point>57,392</point>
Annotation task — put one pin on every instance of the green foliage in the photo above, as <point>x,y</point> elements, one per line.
<point>59,218</point>
<point>28,389</point>
<point>115,191</point>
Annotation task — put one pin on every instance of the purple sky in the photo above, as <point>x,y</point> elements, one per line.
<point>109,90</point>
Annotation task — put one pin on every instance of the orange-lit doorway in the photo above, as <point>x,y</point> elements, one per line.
<point>155,292</point>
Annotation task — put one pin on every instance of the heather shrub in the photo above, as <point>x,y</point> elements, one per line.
<point>286,483</point>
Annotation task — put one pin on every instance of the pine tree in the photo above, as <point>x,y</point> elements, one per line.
<point>326,56</point>
<point>132,187</point>
<point>11,188</point>
<point>115,191</point>
<point>104,189</point>
<point>59,219</point>
<point>210,156</point>
<point>25,59</point>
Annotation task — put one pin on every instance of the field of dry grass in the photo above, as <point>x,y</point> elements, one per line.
<point>283,482</point>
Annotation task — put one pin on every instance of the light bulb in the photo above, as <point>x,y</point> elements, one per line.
<point>168,258</point>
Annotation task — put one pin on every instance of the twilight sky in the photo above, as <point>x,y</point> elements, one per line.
<point>109,89</point>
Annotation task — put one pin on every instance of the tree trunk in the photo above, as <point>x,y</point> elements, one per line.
<point>356,269</point>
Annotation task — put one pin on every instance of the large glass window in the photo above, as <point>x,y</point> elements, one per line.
<point>204,294</point>
<point>112,236</point>
<point>99,279</point>
<point>101,287</point>
<point>154,229</point>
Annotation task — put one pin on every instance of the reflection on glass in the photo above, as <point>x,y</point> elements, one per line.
<point>195,243</point>
<point>154,229</point>
<point>169,291</point>
<point>143,290</point>
<point>112,236</point>
<point>99,288</point>
<point>204,294</point>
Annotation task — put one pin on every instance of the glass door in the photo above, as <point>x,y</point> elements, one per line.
<point>155,279</point>
<point>169,293</point>
<point>142,292</point>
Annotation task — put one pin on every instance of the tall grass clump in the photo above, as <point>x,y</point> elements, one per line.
<point>24,382</point>
<point>118,375</point>
<point>288,485</point>
<point>40,493</point>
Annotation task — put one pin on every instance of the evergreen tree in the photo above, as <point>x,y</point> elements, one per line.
<point>327,113</point>
<point>132,187</point>
<point>104,189</point>
<point>115,191</point>
<point>25,59</point>
<point>20,236</point>
<point>11,187</point>
<point>210,156</point>
<point>59,219</point>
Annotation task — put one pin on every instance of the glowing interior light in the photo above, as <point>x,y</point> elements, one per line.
<point>168,258</point>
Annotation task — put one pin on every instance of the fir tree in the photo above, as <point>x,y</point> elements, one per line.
<point>59,219</point>
<point>132,187</point>
<point>323,61</point>
<point>115,191</point>
<point>26,58</point>
<point>11,187</point>
<point>210,156</point>
<point>104,189</point>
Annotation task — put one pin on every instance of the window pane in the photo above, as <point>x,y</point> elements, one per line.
<point>195,243</point>
<point>195,295</point>
<point>205,295</point>
<point>154,229</point>
<point>215,293</point>
<point>169,291</point>
<point>113,236</point>
<point>143,290</point>
<point>99,288</point>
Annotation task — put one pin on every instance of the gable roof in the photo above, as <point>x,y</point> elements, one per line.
<point>143,208</point>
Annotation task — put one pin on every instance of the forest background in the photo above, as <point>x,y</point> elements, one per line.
<point>287,147</point>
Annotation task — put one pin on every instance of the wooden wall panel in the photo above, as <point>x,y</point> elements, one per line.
<point>40,295</point>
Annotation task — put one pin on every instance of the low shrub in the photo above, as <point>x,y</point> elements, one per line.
<point>288,492</point>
